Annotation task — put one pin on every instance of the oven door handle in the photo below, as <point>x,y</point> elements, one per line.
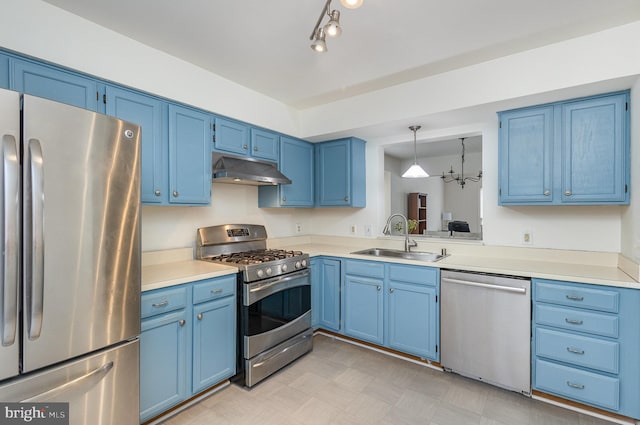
<point>256,292</point>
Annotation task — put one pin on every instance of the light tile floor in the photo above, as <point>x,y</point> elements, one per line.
<point>342,384</point>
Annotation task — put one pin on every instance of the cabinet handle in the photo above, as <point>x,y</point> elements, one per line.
<point>567,192</point>
<point>284,199</point>
<point>546,193</point>
<point>199,316</point>
<point>182,322</point>
<point>346,199</point>
<point>255,148</point>
<point>391,290</point>
<point>162,304</point>
<point>216,291</point>
<point>175,193</point>
<point>575,350</point>
<point>157,192</point>
<point>577,386</point>
<point>378,287</point>
<point>573,321</point>
<point>244,147</point>
<point>574,298</point>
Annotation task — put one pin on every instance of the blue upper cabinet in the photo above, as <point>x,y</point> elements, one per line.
<point>231,136</point>
<point>525,152</point>
<point>149,113</point>
<point>4,71</point>
<point>296,162</point>
<point>189,156</point>
<point>265,144</point>
<point>54,84</point>
<point>595,150</point>
<point>341,173</point>
<point>568,153</point>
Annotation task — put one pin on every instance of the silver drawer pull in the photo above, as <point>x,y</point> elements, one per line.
<point>576,386</point>
<point>574,298</point>
<point>162,304</point>
<point>575,350</point>
<point>216,291</point>
<point>182,322</point>
<point>573,321</point>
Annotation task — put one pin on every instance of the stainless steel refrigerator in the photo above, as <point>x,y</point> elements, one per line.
<point>70,266</point>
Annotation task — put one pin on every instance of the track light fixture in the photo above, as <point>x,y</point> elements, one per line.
<point>332,28</point>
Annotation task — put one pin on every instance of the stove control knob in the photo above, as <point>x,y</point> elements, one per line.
<point>298,264</point>
<point>260,273</point>
<point>269,271</point>
<point>284,267</point>
<point>304,263</point>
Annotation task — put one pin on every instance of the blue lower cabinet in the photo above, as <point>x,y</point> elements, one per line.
<point>363,315</point>
<point>325,283</point>
<point>213,334</point>
<point>585,343</point>
<point>187,343</point>
<point>413,319</point>
<point>163,363</point>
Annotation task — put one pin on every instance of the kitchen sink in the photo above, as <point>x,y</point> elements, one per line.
<point>396,253</point>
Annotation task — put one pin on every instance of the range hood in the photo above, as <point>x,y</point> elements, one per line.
<point>232,169</point>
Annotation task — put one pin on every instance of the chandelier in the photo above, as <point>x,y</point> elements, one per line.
<point>460,178</point>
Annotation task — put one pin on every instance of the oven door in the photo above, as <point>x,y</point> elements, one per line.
<point>275,310</point>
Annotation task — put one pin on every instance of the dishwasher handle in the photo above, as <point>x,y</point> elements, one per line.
<point>515,290</point>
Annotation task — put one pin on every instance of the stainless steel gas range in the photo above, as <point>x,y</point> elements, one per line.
<point>274,297</point>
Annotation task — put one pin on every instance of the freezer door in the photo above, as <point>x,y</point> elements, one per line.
<point>81,232</point>
<point>101,389</point>
<point>9,232</point>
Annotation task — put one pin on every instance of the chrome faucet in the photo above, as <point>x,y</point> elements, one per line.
<point>387,231</point>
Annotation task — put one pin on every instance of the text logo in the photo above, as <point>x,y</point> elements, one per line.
<point>34,413</point>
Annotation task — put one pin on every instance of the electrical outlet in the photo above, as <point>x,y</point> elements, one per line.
<point>298,228</point>
<point>527,237</point>
<point>353,229</point>
<point>367,230</point>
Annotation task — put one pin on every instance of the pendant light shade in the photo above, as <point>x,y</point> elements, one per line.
<point>415,171</point>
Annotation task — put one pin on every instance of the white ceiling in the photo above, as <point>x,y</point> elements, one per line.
<point>434,148</point>
<point>264,45</point>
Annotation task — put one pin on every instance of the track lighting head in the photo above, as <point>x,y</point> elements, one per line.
<point>351,4</point>
<point>319,44</point>
<point>333,28</point>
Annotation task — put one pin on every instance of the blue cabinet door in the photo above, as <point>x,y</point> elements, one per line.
<point>214,342</point>
<point>413,319</point>
<point>329,294</point>
<point>594,153</point>
<point>363,317</point>
<point>54,84</point>
<point>4,71</point>
<point>231,136</point>
<point>265,145</point>
<point>526,156</point>
<point>333,181</point>
<point>341,173</point>
<point>296,162</point>
<point>189,156</point>
<point>163,363</point>
<point>149,113</point>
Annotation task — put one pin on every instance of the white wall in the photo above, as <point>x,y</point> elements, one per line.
<point>598,62</point>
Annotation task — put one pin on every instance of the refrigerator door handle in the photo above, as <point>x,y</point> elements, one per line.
<point>80,385</point>
<point>34,238</point>
<point>10,237</point>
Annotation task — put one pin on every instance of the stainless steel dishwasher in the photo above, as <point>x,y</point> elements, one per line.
<point>485,328</point>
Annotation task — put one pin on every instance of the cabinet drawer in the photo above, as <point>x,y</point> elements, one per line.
<point>576,384</point>
<point>577,296</point>
<point>578,350</point>
<point>163,300</point>
<point>365,268</point>
<point>214,288</point>
<point>577,320</point>
<point>414,274</point>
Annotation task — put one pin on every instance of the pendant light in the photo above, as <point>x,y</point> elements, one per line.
<point>415,171</point>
